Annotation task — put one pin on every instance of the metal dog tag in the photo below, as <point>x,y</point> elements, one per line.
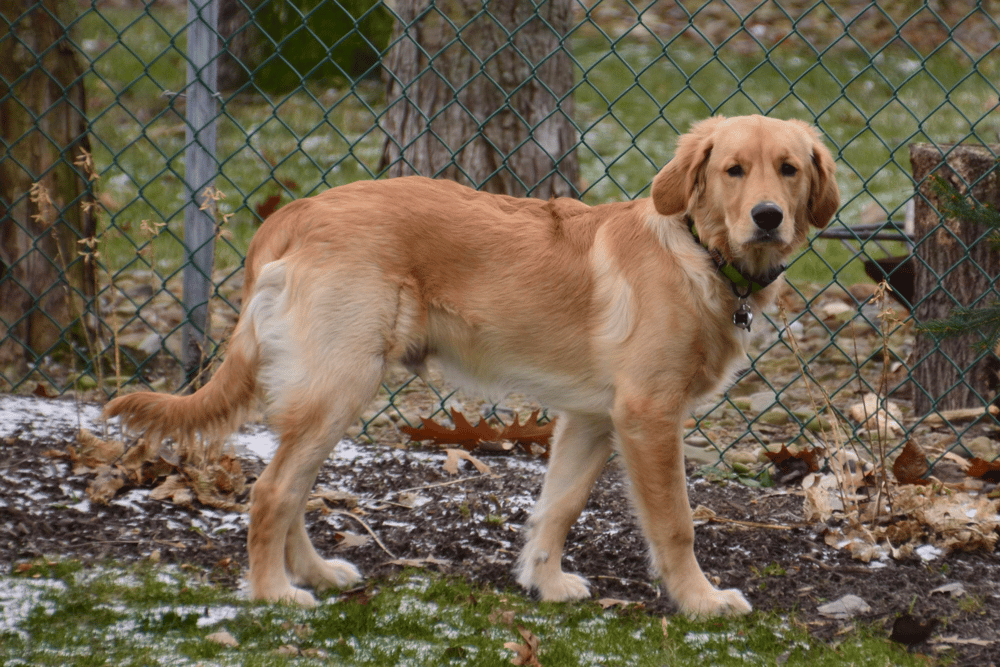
<point>743,317</point>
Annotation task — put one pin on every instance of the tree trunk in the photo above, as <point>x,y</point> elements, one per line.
<point>957,264</point>
<point>46,283</point>
<point>480,92</point>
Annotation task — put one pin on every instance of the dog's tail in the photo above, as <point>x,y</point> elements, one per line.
<point>213,412</point>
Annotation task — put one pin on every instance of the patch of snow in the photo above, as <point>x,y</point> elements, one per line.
<point>928,552</point>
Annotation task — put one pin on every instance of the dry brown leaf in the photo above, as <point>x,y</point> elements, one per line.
<point>502,616</point>
<point>871,415</point>
<point>455,455</point>
<point>93,451</point>
<point>911,464</point>
<point>346,540</point>
<point>988,471</point>
<point>794,465</point>
<point>174,488</point>
<point>530,433</point>
<point>107,483</point>
<point>464,434</point>
<point>525,654</point>
<point>470,437</point>
<point>343,498</point>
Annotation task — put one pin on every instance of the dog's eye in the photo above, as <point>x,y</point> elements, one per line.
<point>735,171</point>
<point>788,170</point>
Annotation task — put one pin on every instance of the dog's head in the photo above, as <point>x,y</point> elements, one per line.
<point>752,185</point>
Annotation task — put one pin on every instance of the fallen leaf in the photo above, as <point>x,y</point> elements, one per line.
<point>793,466</point>
<point>174,488</point>
<point>455,455</point>
<point>911,464</point>
<point>871,414</point>
<point>345,498</point>
<point>107,483</point>
<point>502,617</point>
<point>530,433</point>
<point>846,607</point>
<point>955,589</point>
<point>42,391</point>
<point>345,540</point>
<point>525,654</point>
<point>702,513</point>
<point>608,603</point>
<point>470,437</point>
<point>985,470</point>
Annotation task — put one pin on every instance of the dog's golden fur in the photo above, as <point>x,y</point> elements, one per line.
<point>613,315</point>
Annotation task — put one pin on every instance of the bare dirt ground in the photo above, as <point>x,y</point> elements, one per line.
<point>470,524</point>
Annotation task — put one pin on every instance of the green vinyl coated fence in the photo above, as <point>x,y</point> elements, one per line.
<point>197,119</point>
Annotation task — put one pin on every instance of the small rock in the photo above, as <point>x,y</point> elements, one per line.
<point>984,448</point>
<point>775,417</point>
<point>744,456</point>
<point>846,607</point>
<point>223,637</point>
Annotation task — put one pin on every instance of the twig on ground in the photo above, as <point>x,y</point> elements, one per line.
<point>366,527</point>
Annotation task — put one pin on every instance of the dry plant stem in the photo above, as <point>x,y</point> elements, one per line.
<point>884,316</point>
<point>367,528</point>
<point>39,196</point>
<point>838,443</point>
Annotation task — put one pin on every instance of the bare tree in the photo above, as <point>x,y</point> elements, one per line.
<point>481,92</point>
<point>45,282</point>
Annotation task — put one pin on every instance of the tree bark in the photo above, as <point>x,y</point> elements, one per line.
<point>956,264</point>
<point>45,282</point>
<point>481,93</point>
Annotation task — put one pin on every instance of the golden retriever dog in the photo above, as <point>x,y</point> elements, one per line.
<point>621,317</point>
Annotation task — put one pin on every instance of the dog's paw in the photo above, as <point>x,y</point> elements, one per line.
<point>336,573</point>
<point>717,603</point>
<point>562,587</point>
<point>286,595</point>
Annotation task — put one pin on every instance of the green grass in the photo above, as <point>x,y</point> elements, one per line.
<point>65,614</point>
<point>633,99</point>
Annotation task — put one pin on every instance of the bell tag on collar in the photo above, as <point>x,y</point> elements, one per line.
<point>743,317</point>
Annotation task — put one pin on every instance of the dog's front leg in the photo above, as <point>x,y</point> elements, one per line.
<point>650,433</point>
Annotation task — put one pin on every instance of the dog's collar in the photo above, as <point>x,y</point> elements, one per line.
<point>742,284</point>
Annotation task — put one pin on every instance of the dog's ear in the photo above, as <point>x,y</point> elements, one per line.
<point>676,182</point>
<point>824,197</point>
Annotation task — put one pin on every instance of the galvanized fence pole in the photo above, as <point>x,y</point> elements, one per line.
<point>200,168</point>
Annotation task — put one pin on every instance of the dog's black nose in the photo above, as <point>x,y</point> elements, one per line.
<point>767,215</point>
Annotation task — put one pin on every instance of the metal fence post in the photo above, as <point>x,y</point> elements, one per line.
<point>200,167</point>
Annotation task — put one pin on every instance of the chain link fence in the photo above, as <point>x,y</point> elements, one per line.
<point>202,117</point>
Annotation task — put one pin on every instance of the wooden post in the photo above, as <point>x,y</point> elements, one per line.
<point>200,168</point>
<point>956,264</point>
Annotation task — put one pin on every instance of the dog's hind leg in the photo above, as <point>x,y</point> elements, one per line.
<point>310,421</point>
<point>307,568</point>
<point>323,347</point>
<point>580,449</point>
